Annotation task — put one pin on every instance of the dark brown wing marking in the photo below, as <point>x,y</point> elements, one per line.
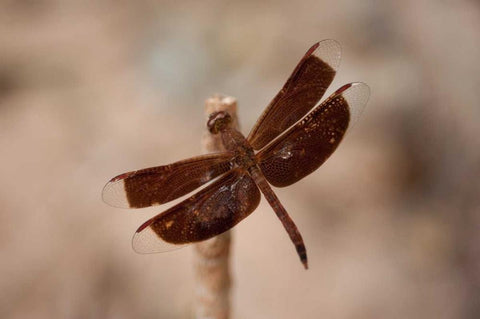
<point>208,213</point>
<point>305,146</point>
<point>304,88</point>
<point>161,184</point>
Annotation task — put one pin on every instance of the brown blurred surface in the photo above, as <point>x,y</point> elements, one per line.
<point>391,221</point>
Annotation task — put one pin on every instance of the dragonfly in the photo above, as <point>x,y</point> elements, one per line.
<point>292,138</point>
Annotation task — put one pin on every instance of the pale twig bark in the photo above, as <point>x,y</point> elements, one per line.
<point>211,257</point>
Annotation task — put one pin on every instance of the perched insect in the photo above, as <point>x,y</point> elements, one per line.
<point>290,140</point>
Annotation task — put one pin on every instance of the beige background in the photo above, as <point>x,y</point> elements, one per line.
<point>89,90</point>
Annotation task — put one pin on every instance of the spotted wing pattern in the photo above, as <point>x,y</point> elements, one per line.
<point>305,146</point>
<point>208,213</point>
<point>303,89</point>
<point>161,184</point>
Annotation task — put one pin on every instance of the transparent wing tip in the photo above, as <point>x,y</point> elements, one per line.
<point>114,194</point>
<point>329,51</point>
<point>356,94</point>
<point>146,241</point>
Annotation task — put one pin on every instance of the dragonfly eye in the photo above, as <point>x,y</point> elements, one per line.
<point>218,121</point>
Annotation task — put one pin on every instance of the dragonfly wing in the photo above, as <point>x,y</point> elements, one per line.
<point>161,184</point>
<point>305,146</point>
<point>206,214</point>
<point>302,91</point>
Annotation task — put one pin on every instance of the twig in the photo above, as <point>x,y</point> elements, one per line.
<point>211,257</point>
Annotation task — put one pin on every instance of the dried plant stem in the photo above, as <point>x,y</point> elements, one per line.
<point>211,257</point>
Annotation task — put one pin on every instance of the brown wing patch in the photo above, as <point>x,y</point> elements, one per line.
<point>158,185</point>
<point>303,89</point>
<point>208,213</point>
<point>303,148</point>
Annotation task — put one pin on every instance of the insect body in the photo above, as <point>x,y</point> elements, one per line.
<point>290,140</point>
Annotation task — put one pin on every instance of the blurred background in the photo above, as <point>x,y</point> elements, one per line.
<point>89,90</point>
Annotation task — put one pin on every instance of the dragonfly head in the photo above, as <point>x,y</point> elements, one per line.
<point>218,121</point>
